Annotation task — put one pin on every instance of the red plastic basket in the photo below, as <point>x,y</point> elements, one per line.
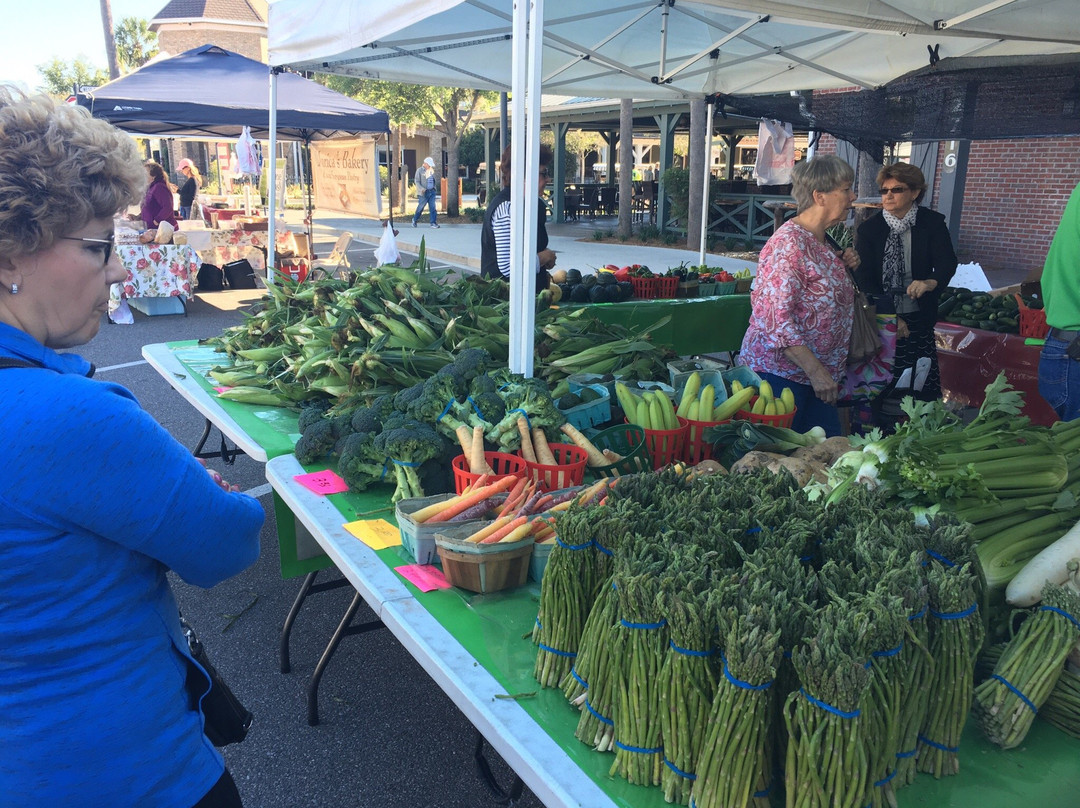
<point>784,420</point>
<point>667,287</point>
<point>666,446</point>
<point>645,288</point>
<point>1033,323</point>
<point>568,471</point>
<point>505,465</point>
<point>697,448</point>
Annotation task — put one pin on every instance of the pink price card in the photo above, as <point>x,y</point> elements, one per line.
<point>424,577</point>
<point>322,482</point>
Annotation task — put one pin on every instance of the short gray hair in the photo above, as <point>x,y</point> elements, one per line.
<point>825,173</point>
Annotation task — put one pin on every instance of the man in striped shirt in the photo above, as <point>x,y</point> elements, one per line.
<point>495,234</point>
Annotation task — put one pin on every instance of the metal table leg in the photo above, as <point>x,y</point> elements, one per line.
<point>343,629</point>
<point>225,453</point>
<point>307,587</point>
<point>508,797</point>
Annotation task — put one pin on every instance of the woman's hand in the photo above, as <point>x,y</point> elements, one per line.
<point>919,288</point>
<point>902,331</point>
<point>825,387</point>
<point>850,258</point>
<point>547,259</point>
<point>217,478</point>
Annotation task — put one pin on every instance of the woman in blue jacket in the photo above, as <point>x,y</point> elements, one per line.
<point>99,502</point>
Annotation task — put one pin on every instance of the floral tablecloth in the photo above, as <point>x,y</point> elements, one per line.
<point>219,247</point>
<point>154,270</point>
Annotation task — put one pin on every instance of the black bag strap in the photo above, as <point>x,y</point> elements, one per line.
<point>12,362</point>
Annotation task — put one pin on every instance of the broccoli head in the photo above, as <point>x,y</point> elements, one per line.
<point>482,384</point>
<point>489,406</point>
<point>309,413</point>
<point>438,394</point>
<point>404,399</point>
<point>407,448</point>
<point>503,377</point>
<point>472,362</point>
<point>367,420</point>
<point>358,463</point>
<point>531,399</point>
<point>315,442</point>
<point>383,405</point>
<point>459,385</point>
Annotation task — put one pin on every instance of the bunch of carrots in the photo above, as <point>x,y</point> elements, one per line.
<point>525,510</point>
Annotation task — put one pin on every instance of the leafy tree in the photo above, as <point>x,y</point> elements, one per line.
<point>58,76</point>
<point>136,44</point>
<point>471,148</point>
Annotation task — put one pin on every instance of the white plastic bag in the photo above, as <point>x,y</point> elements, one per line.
<point>387,251</point>
<point>122,314</point>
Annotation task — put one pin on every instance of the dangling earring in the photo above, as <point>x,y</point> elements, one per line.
<point>14,288</point>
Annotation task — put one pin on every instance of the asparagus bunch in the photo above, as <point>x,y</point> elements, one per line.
<point>1029,667</point>
<point>641,642</point>
<point>827,763</point>
<point>1062,708</point>
<point>956,633</point>
<point>688,677</point>
<point>733,769</point>
<point>566,593</point>
<point>594,649</point>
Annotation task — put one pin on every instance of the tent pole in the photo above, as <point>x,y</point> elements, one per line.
<point>705,187</point>
<point>389,177</point>
<point>306,152</point>
<point>271,224</point>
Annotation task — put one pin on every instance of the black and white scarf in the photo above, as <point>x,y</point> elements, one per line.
<point>892,266</point>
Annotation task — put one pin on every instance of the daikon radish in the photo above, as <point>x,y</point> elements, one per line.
<point>1051,565</point>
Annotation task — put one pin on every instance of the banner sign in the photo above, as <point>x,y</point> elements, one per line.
<point>346,175</point>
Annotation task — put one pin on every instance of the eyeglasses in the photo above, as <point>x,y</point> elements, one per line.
<point>896,189</point>
<point>108,242</point>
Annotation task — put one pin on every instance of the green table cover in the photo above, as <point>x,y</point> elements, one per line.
<point>696,325</point>
<point>494,629</point>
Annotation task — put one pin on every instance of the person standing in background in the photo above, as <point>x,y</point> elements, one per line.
<point>907,260</point>
<point>190,188</point>
<point>157,204</point>
<point>1059,362</point>
<point>425,190</point>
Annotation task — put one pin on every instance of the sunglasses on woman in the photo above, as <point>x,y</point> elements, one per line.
<point>895,189</point>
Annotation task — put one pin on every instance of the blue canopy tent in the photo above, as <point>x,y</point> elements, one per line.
<point>209,92</point>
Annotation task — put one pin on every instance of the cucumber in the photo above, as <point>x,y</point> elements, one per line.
<point>986,325</point>
<point>969,323</point>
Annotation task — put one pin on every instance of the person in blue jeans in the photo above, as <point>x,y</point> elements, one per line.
<point>425,190</point>
<point>1059,363</point>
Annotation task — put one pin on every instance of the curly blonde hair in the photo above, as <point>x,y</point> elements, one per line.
<point>59,169</point>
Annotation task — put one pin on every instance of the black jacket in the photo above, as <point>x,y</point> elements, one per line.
<point>932,255</point>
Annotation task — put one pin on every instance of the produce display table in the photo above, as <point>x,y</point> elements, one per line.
<point>696,325</point>
<point>476,650</point>
<point>970,359</point>
<point>219,247</point>
<point>155,271</point>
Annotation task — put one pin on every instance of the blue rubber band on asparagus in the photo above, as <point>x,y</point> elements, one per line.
<point>688,651</point>
<point>885,779</point>
<point>556,651</point>
<point>524,415</point>
<point>599,717</point>
<point>1016,690</point>
<point>642,626</point>
<point>970,610</point>
<point>764,792</point>
<point>446,409</point>
<point>941,558</point>
<point>752,530</point>
<point>566,546</point>
<point>936,745</point>
<point>538,624</point>
<point>678,771</point>
<point>828,707</point>
<point>740,682</point>
<point>641,750</point>
<point>602,548</point>
<point>889,653</point>
<point>907,754</point>
<point>921,614</point>
<point>1063,613</point>
<point>583,683</point>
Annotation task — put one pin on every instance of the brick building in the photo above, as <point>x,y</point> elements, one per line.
<point>236,25</point>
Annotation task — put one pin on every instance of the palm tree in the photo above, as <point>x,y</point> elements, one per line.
<point>110,42</point>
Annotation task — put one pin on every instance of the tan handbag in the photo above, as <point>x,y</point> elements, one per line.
<point>865,340</point>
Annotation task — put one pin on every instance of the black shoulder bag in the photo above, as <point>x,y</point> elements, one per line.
<point>227,720</point>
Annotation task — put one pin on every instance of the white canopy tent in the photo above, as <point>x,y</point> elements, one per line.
<point>646,49</point>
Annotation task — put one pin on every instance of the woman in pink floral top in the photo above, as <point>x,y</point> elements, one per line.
<point>800,323</point>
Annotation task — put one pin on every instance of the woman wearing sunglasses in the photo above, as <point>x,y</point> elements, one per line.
<point>99,502</point>
<point>907,259</point>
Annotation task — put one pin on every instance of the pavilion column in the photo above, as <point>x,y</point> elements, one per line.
<point>667,123</point>
<point>558,178</point>
<point>696,167</point>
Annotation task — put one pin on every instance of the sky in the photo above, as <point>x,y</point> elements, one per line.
<point>37,30</point>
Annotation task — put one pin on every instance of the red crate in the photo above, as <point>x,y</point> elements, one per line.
<point>504,465</point>
<point>645,288</point>
<point>568,471</point>
<point>697,448</point>
<point>784,420</point>
<point>667,287</point>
